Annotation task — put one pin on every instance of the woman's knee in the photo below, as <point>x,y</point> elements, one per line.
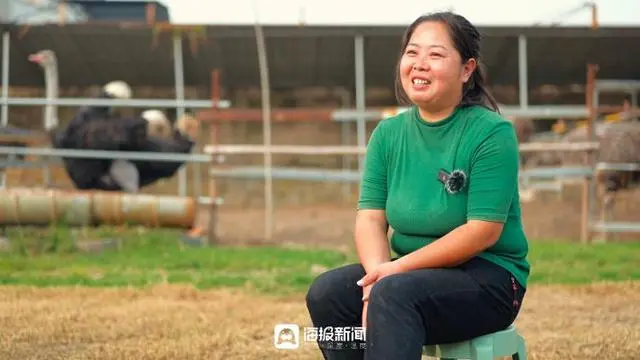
<point>390,289</point>
<point>393,298</point>
<point>333,285</point>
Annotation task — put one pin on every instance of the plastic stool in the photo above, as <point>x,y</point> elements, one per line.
<point>507,342</point>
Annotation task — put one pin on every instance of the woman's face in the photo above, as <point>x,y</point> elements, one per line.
<point>431,69</point>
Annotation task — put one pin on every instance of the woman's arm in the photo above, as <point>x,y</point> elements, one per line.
<point>371,238</point>
<point>458,246</point>
<point>371,221</point>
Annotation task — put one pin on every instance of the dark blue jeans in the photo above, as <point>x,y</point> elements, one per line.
<point>409,310</point>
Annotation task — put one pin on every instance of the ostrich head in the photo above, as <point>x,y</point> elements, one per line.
<point>45,58</point>
<point>157,123</point>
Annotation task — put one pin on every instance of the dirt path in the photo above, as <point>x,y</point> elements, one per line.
<point>167,322</point>
<point>550,216</point>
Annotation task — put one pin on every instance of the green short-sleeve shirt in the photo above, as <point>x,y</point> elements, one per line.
<point>406,168</point>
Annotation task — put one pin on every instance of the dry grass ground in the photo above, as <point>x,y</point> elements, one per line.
<point>179,322</point>
<point>176,322</point>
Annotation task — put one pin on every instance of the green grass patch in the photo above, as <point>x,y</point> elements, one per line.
<point>152,257</point>
<point>47,257</point>
<point>570,263</point>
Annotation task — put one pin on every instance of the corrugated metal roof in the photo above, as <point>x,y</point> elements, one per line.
<point>92,54</point>
<point>30,12</point>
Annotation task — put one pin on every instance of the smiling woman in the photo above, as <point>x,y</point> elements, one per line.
<point>453,56</point>
<point>444,176</point>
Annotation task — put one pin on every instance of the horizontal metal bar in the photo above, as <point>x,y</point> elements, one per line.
<point>617,85</point>
<point>559,146</point>
<point>616,226</point>
<point>356,150</point>
<point>145,103</point>
<point>618,167</point>
<point>342,115</point>
<point>208,200</point>
<point>532,111</point>
<point>545,185</point>
<point>545,136</point>
<point>557,172</point>
<point>24,164</point>
<point>376,114</point>
<point>102,154</point>
<point>288,173</point>
<point>546,111</point>
<point>284,149</point>
<point>297,114</point>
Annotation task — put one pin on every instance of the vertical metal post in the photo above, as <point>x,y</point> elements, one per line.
<point>178,69</point>
<point>634,98</point>
<point>634,103</point>
<point>266,131</point>
<point>215,159</point>
<point>345,140</point>
<point>360,95</point>
<point>522,71</point>
<point>589,184</point>
<point>5,78</point>
<point>5,91</point>
<point>593,190</point>
<point>523,83</point>
<point>593,94</point>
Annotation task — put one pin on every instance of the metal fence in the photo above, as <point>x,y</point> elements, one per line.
<point>210,157</point>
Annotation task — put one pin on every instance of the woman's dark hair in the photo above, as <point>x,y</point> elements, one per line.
<point>466,39</point>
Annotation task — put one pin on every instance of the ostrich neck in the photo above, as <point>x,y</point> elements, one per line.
<point>51,90</point>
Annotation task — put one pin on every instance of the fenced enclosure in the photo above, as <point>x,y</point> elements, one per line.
<point>309,154</point>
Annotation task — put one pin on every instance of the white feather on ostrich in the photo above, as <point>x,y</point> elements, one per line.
<point>158,123</point>
<point>118,89</point>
